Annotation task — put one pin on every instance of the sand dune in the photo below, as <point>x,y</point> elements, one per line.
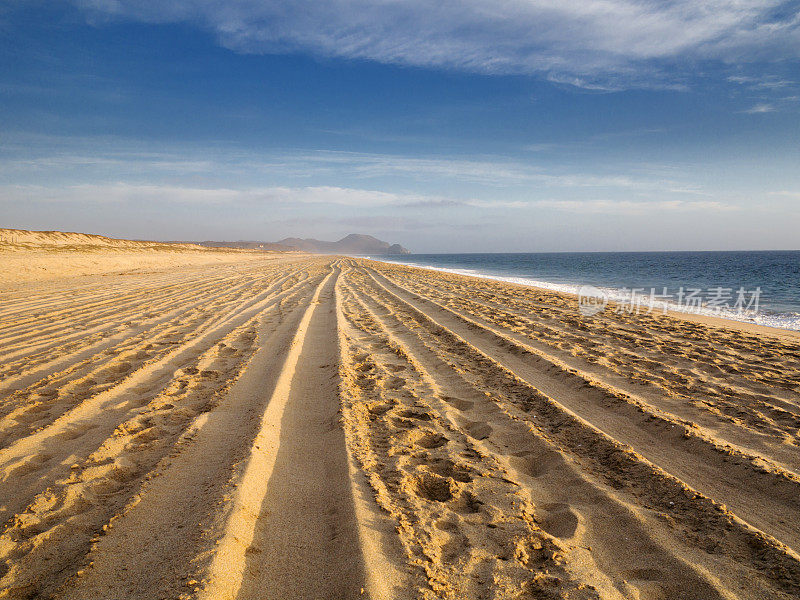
<point>272,426</point>
<point>27,256</point>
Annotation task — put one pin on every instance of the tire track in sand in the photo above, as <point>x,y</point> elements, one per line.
<point>573,510</point>
<point>89,371</point>
<point>164,541</point>
<point>293,524</point>
<point>30,464</point>
<point>338,437</point>
<point>763,502</point>
<point>604,456</point>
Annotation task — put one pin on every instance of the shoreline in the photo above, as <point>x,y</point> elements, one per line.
<point>557,288</point>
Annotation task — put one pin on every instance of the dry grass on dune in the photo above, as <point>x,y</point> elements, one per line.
<point>239,427</point>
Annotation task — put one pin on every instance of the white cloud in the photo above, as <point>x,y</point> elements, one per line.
<point>629,207</point>
<point>787,194</point>
<point>489,171</point>
<point>601,44</point>
<point>760,108</point>
<point>121,192</point>
<point>116,193</point>
<point>163,194</point>
<point>769,82</point>
<point>315,168</point>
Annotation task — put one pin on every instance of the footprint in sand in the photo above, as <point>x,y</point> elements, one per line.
<point>458,403</point>
<point>467,503</point>
<point>227,350</point>
<point>479,430</point>
<point>75,432</point>
<point>534,464</point>
<point>431,440</point>
<point>558,520</point>
<point>435,488</point>
<point>85,384</point>
<point>25,466</point>
<point>119,368</point>
<point>653,583</point>
<point>447,468</point>
<point>394,383</point>
<point>415,414</point>
<point>380,408</point>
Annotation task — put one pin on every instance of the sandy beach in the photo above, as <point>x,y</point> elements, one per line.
<point>192,423</point>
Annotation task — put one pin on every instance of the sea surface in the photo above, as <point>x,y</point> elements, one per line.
<point>757,287</point>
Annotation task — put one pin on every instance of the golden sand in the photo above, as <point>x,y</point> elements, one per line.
<point>203,424</point>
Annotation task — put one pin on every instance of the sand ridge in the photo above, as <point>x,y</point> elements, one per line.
<point>346,428</point>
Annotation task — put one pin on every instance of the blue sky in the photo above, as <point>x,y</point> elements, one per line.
<point>515,125</point>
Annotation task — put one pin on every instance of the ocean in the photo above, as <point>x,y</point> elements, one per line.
<point>758,287</point>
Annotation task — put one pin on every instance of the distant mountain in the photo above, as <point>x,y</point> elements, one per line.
<point>351,244</point>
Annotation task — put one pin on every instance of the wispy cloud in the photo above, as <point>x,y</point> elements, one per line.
<point>628,207</point>
<point>122,192</point>
<point>233,168</point>
<point>787,194</point>
<point>769,82</point>
<point>760,108</point>
<point>489,171</point>
<point>769,93</point>
<point>595,44</point>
